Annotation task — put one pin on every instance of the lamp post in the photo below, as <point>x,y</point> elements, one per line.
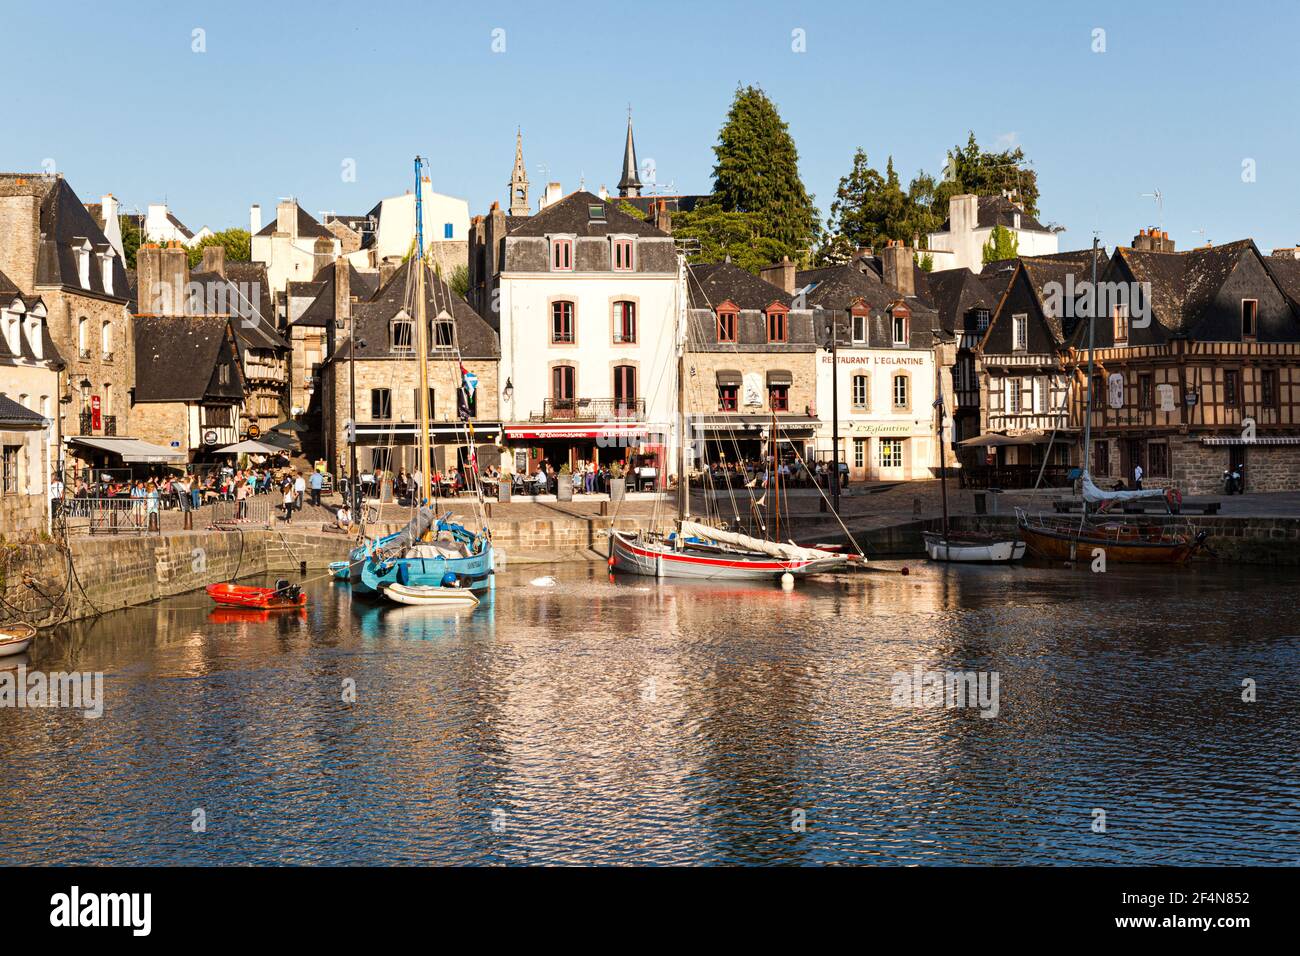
<point>835,415</point>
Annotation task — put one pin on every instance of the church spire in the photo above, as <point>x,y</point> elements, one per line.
<point>630,184</point>
<point>519,180</point>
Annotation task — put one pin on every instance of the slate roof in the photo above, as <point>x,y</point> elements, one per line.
<point>15,415</point>
<point>1183,284</point>
<point>307,226</point>
<point>183,229</point>
<point>320,313</point>
<point>710,284</point>
<point>1286,273</point>
<point>8,289</point>
<point>1041,270</point>
<point>475,338</point>
<point>570,215</point>
<point>953,293</point>
<point>837,288</point>
<point>253,322</point>
<point>63,219</point>
<point>176,359</point>
<point>1001,211</point>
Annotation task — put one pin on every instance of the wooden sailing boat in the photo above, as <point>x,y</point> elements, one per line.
<point>1063,538</point>
<point>430,553</point>
<point>700,551</point>
<point>969,546</point>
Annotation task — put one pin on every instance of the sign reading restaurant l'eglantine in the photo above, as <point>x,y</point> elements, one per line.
<point>877,359</point>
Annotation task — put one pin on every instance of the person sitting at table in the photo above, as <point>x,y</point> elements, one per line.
<point>540,479</point>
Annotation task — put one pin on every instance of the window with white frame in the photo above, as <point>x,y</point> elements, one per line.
<point>83,337</point>
<point>1013,396</point>
<point>1020,332</point>
<point>621,255</point>
<point>106,339</point>
<point>1043,402</point>
<point>859,453</point>
<point>900,330</point>
<point>860,399</point>
<point>859,327</point>
<point>901,396</point>
<point>1121,325</point>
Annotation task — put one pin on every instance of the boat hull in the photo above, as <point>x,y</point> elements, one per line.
<point>419,596</point>
<point>1060,545</point>
<point>475,571</point>
<point>631,556</point>
<point>996,551</point>
<point>236,595</point>
<point>16,638</point>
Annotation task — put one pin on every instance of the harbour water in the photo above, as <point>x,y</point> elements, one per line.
<point>575,720</point>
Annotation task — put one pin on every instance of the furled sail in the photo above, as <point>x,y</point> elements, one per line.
<point>1093,495</point>
<point>790,552</point>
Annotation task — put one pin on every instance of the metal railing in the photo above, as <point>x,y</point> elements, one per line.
<point>109,516</point>
<point>87,424</point>
<point>590,409</point>
<point>110,424</point>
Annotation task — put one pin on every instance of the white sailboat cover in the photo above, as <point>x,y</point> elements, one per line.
<point>1093,495</point>
<point>790,552</point>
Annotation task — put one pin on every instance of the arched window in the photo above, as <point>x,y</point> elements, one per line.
<point>83,334</point>
<point>106,339</point>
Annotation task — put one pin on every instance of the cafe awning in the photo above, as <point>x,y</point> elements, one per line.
<point>131,449</point>
<point>250,447</point>
<point>778,376</point>
<point>728,377</point>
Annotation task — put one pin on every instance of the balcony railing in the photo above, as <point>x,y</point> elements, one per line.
<point>86,424</point>
<point>590,409</point>
<point>110,424</point>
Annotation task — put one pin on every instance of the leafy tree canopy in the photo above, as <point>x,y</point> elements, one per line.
<point>238,243</point>
<point>1002,244</point>
<point>713,234</point>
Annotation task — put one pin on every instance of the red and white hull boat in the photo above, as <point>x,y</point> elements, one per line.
<point>659,557</point>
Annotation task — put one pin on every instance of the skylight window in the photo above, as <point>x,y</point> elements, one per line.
<point>596,212</point>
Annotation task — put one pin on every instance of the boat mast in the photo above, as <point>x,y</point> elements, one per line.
<point>422,337</point>
<point>1087,404</point>
<point>683,480</point>
<point>776,481</point>
<point>943,451</point>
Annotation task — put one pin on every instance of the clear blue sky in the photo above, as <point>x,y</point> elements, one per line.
<point>287,91</point>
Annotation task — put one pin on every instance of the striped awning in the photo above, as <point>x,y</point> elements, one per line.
<point>1266,440</point>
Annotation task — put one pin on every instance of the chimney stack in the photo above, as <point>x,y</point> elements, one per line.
<point>1153,240</point>
<point>286,218</point>
<point>386,270</point>
<point>663,218</point>
<point>254,219</point>
<point>780,274</point>
<point>214,260</point>
<point>897,267</point>
<point>322,255</point>
<point>161,276</point>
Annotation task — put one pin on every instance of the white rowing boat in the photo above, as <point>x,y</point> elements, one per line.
<point>15,638</point>
<point>973,549</point>
<point>428,596</point>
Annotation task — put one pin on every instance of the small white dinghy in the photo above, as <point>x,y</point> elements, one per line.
<point>973,549</point>
<point>15,638</point>
<point>429,596</point>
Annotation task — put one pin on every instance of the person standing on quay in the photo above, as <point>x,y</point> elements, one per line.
<point>299,490</point>
<point>289,498</point>
<point>1137,477</point>
<point>317,483</point>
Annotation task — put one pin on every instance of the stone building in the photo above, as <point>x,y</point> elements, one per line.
<point>890,349</point>
<point>750,362</point>
<point>378,364</point>
<point>391,235</point>
<point>195,336</point>
<point>294,247</point>
<point>1025,424</point>
<point>51,247</point>
<point>1205,380</point>
<point>586,300</point>
<point>24,463</point>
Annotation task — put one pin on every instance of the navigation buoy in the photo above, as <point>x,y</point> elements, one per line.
<point>787,581</point>
<point>610,562</point>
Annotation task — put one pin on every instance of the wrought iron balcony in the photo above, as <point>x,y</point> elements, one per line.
<point>110,424</point>
<point>86,424</point>
<point>590,410</point>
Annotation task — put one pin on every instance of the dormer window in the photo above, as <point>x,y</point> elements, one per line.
<point>776,323</point>
<point>727,322</point>
<point>82,250</point>
<point>444,332</point>
<point>858,325</point>
<point>1121,325</point>
<point>621,254</point>
<point>1249,318</point>
<point>401,332</point>
<point>981,320</point>
<point>561,255</point>
<point>36,331</point>
<point>106,270</point>
<point>11,320</point>
<point>900,323</point>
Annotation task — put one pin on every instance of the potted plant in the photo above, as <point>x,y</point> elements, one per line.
<point>564,484</point>
<point>617,481</point>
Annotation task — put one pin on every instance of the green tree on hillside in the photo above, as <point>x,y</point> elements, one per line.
<point>238,243</point>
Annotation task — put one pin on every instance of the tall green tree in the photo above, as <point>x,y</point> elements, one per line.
<point>757,173</point>
<point>711,234</point>
<point>131,237</point>
<point>238,243</point>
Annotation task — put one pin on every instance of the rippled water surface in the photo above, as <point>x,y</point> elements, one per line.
<point>638,722</point>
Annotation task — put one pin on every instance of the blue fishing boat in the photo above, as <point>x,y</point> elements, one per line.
<point>428,553</point>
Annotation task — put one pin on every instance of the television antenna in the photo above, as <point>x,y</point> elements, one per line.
<point>1160,205</point>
